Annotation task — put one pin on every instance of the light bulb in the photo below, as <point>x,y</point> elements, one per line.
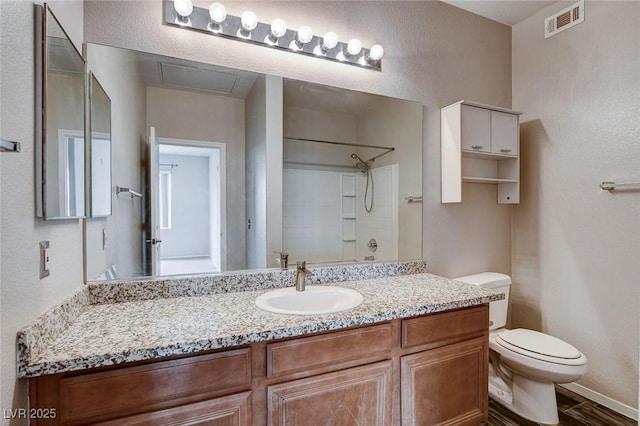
<point>249,20</point>
<point>354,47</point>
<point>304,34</point>
<point>376,53</point>
<point>330,40</point>
<point>278,28</point>
<point>183,7</point>
<point>217,13</point>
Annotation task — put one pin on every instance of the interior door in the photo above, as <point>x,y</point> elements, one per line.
<point>154,238</point>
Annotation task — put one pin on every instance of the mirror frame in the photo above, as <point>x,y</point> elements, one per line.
<point>43,14</point>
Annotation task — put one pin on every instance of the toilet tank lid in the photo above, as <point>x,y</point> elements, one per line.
<point>486,279</point>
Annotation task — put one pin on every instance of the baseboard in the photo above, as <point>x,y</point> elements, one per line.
<point>616,406</point>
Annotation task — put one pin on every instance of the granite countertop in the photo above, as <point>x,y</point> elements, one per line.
<point>117,333</point>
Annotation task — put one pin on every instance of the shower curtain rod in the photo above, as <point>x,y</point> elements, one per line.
<point>388,148</point>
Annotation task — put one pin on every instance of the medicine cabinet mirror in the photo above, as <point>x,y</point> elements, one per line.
<point>60,121</point>
<point>219,169</point>
<point>99,152</point>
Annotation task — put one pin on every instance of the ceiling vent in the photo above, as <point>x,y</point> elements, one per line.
<point>565,19</point>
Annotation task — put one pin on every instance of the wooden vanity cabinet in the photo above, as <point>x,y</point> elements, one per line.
<point>426,370</point>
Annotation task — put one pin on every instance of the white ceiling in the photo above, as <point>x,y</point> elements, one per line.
<point>508,12</point>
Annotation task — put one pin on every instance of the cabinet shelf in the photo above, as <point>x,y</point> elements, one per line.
<point>486,155</point>
<point>473,179</point>
<point>480,144</point>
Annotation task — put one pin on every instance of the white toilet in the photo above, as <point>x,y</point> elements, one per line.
<point>525,365</point>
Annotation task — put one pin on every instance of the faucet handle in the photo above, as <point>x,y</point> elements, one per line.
<point>301,265</point>
<point>283,259</point>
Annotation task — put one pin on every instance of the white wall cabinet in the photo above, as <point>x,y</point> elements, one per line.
<point>480,144</point>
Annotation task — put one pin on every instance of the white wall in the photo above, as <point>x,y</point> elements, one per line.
<point>274,155</point>
<point>24,295</point>
<point>190,231</point>
<point>435,54</point>
<point>263,111</point>
<point>255,105</point>
<point>576,247</point>
<point>320,125</point>
<point>312,207</point>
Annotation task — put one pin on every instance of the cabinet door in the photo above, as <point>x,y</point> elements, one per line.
<point>504,133</point>
<point>356,396</point>
<point>232,410</point>
<point>446,386</point>
<point>475,129</point>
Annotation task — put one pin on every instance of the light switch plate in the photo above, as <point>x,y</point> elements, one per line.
<point>44,259</point>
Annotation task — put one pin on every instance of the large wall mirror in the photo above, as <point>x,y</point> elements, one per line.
<point>60,121</point>
<point>224,168</point>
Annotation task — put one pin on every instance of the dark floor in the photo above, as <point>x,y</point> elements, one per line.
<point>573,410</point>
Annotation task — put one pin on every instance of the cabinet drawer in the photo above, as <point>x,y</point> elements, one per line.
<point>129,390</point>
<point>330,351</point>
<point>448,327</point>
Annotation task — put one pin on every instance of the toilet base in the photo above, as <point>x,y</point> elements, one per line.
<point>532,400</point>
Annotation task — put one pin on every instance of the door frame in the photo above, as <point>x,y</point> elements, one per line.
<point>223,186</point>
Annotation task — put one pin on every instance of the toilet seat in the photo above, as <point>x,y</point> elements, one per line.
<point>540,346</point>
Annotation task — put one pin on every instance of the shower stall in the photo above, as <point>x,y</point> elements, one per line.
<point>339,207</point>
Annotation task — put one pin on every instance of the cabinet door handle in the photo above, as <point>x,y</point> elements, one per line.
<point>477,146</point>
<point>505,150</point>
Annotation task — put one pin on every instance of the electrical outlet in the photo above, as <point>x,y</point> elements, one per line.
<point>44,259</point>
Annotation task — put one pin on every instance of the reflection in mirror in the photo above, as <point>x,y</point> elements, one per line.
<point>350,159</point>
<point>99,183</point>
<point>60,133</point>
<point>227,179</point>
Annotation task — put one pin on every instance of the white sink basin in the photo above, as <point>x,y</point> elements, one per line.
<point>315,300</point>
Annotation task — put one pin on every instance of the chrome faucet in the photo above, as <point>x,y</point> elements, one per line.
<point>301,274</point>
<point>282,259</point>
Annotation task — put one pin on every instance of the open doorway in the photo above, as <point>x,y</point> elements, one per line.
<point>191,206</point>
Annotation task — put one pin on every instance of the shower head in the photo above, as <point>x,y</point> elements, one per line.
<point>362,165</point>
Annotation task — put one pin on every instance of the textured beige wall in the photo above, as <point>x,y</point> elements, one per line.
<point>435,54</point>
<point>405,135</point>
<point>576,248</point>
<point>24,295</point>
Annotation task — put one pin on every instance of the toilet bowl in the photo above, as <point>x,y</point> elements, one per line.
<point>525,365</point>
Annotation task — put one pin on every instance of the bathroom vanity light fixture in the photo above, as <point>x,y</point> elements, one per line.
<point>183,9</point>
<point>247,28</point>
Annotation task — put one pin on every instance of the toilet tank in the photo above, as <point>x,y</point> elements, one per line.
<point>497,282</point>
